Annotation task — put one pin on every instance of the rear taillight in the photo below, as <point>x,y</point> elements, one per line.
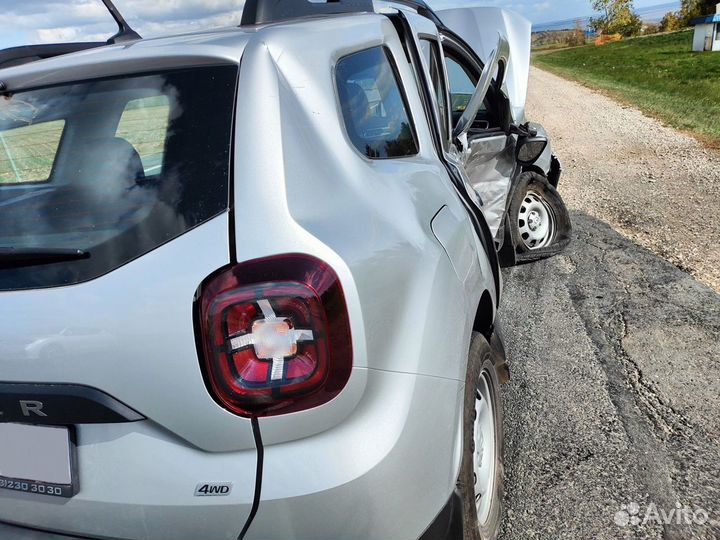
<point>275,335</point>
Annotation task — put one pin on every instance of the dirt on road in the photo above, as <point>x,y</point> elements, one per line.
<point>658,187</point>
<point>612,415</point>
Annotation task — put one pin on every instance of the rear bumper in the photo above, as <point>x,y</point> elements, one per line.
<point>448,525</point>
<point>386,472</point>
<point>12,532</point>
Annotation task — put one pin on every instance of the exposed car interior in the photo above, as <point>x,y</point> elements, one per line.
<point>463,74</point>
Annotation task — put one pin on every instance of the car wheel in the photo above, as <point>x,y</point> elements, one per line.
<point>481,481</point>
<point>539,221</point>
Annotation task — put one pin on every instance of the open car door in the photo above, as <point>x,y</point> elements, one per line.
<point>480,108</point>
<point>479,27</point>
<point>488,88</point>
<point>487,54</point>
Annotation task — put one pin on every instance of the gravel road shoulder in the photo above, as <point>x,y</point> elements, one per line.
<point>658,187</point>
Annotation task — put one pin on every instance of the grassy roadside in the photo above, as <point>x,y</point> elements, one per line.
<point>659,74</point>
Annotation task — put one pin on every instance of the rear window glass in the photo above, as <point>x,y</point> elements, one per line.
<point>112,167</point>
<point>27,153</point>
<point>374,108</point>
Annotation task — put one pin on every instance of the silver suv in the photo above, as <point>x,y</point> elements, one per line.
<point>248,287</point>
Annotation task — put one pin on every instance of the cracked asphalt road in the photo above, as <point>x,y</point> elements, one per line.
<point>613,410</point>
<point>615,394</point>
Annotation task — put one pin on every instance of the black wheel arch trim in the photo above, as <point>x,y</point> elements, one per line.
<point>555,171</point>
<point>448,524</point>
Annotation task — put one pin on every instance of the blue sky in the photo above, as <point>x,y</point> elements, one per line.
<point>41,21</point>
<point>539,11</point>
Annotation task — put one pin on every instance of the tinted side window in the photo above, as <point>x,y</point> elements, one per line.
<point>373,105</point>
<point>462,86</point>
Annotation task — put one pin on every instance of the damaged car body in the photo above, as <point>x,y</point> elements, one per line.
<point>508,159</point>
<point>250,276</point>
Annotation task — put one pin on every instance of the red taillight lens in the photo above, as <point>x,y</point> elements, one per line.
<point>275,335</point>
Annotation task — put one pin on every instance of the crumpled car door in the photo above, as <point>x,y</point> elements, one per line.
<point>484,145</point>
<point>488,151</point>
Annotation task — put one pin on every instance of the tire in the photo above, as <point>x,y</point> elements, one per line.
<point>482,521</point>
<point>539,222</point>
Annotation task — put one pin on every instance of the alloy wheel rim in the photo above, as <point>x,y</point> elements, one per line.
<point>484,458</point>
<point>536,222</point>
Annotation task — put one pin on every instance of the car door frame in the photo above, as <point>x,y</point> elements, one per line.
<point>466,194</point>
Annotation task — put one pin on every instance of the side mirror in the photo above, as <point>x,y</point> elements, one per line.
<point>530,149</point>
<point>498,61</point>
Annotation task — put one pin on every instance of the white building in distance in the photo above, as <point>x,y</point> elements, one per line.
<point>707,32</point>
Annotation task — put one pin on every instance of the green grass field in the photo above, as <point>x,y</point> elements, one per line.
<point>659,74</point>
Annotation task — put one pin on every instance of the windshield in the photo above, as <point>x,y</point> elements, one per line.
<point>113,167</point>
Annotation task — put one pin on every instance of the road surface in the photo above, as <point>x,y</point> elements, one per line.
<point>612,417</point>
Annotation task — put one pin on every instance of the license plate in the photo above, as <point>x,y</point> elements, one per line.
<point>38,459</point>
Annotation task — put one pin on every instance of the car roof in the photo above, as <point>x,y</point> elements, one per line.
<point>194,49</point>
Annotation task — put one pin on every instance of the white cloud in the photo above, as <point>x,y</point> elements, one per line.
<point>173,10</point>
<point>47,21</point>
<point>54,35</point>
<point>158,28</point>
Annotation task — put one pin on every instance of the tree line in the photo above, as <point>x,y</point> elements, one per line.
<point>620,17</point>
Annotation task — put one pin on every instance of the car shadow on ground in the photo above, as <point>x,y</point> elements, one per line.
<point>612,416</point>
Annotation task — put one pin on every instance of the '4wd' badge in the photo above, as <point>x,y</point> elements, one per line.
<point>213,489</point>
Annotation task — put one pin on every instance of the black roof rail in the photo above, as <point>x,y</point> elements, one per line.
<point>267,11</point>
<point>14,56</point>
